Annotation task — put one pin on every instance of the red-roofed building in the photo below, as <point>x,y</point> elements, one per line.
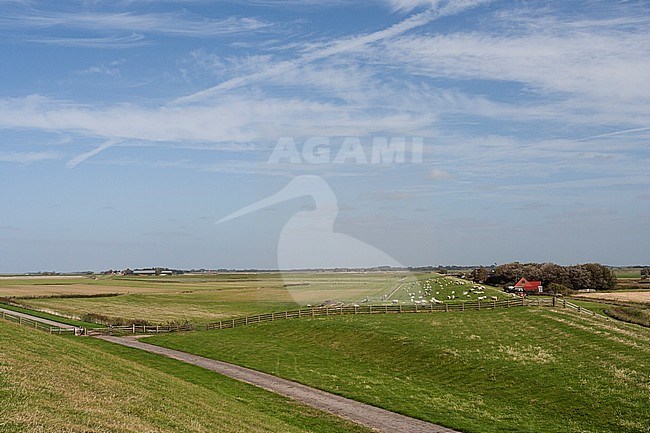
<point>523,285</point>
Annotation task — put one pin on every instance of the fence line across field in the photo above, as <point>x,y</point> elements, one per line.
<point>308,312</point>
<point>140,329</point>
<point>39,325</point>
<point>396,309</point>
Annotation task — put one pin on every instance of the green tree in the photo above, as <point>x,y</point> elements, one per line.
<point>479,275</point>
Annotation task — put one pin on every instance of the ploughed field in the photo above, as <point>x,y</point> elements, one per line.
<point>518,369</point>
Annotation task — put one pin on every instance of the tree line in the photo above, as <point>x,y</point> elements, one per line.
<point>553,277</point>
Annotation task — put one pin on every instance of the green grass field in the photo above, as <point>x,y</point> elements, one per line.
<point>627,273</point>
<point>515,370</point>
<point>82,385</point>
<point>203,299</point>
<point>430,287</point>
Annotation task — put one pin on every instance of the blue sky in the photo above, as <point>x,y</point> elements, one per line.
<point>129,128</point>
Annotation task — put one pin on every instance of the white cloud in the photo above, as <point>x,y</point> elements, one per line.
<point>27,157</point>
<point>589,59</point>
<point>177,24</point>
<point>110,69</point>
<point>446,6</point>
<point>235,118</point>
<point>316,52</point>
<point>133,40</point>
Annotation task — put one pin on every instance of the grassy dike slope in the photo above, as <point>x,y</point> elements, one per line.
<point>516,370</point>
<point>64,384</point>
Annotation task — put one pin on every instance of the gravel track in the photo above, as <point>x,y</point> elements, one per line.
<point>370,416</point>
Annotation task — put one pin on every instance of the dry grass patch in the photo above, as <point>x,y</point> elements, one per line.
<point>639,297</point>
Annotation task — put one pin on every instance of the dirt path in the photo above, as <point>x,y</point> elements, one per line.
<point>360,413</point>
<point>38,319</point>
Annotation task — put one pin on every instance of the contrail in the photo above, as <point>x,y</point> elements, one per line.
<point>337,47</point>
<point>610,134</point>
<point>84,156</point>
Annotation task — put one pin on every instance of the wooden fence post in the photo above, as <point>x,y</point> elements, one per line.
<point>463,306</point>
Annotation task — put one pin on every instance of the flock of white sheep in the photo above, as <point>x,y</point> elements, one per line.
<point>429,291</point>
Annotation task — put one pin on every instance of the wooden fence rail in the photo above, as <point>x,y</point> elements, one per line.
<point>39,325</point>
<point>566,304</point>
<point>378,309</point>
<point>139,329</point>
<point>308,312</point>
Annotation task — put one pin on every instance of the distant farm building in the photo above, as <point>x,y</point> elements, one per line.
<point>145,272</point>
<point>525,286</point>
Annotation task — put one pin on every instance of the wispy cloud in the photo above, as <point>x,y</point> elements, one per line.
<point>28,157</point>
<point>133,40</point>
<point>447,6</point>
<point>600,63</point>
<point>321,51</point>
<point>176,24</point>
<point>111,69</point>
